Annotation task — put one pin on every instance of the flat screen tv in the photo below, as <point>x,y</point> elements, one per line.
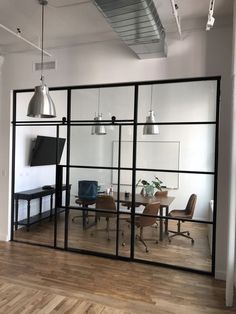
<point>45,151</point>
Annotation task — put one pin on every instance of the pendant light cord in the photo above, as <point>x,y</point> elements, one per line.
<point>42,46</point>
<point>151,97</point>
<point>98,102</point>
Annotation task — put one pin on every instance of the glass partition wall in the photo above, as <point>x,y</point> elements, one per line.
<point>136,179</point>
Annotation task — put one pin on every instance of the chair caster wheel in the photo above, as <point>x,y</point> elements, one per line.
<point>188,234</point>
<point>156,242</point>
<point>147,250</point>
<point>192,241</point>
<point>123,243</point>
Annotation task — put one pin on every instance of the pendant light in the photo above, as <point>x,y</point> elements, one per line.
<point>41,104</point>
<point>150,129</point>
<point>98,129</point>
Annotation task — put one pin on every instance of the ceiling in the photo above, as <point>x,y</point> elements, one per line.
<point>74,22</point>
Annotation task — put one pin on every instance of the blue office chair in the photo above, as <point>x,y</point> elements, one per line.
<point>87,194</point>
<point>87,190</point>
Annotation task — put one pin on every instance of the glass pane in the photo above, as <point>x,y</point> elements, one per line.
<point>86,103</point>
<point>34,204</point>
<point>178,147</point>
<point>101,150</point>
<point>199,184</point>
<point>185,101</point>
<point>59,98</point>
<point>176,248</point>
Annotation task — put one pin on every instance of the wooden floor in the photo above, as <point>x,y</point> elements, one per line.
<point>179,252</point>
<point>41,280</point>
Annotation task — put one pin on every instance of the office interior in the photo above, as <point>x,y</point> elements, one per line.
<point>95,64</point>
<point>182,151</point>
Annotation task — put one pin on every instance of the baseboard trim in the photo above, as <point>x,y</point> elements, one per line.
<point>220,274</point>
<point>4,237</point>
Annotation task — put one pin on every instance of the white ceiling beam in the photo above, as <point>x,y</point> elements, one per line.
<point>19,36</point>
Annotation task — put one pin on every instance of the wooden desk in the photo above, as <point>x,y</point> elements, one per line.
<point>144,200</point>
<point>30,195</point>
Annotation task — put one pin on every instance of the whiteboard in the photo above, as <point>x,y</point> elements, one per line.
<point>163,155</point>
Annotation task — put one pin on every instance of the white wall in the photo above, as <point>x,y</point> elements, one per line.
<point>198,54</point>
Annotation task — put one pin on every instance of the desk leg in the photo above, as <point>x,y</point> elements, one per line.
<point>161,224</point>
<point>28,215</point>
<point>17,210</point>
<point>40,205</point>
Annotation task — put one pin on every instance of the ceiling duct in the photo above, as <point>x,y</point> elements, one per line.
<point>138,24</point>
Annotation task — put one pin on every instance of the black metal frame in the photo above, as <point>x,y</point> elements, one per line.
<point>119,123</point>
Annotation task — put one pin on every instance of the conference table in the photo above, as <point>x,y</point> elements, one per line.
<point>139,200</point>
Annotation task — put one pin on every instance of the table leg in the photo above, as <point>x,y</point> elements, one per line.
<point>166,220</point>
<point>28,215</point>
<point>161,224</point>
<point>17,211</point>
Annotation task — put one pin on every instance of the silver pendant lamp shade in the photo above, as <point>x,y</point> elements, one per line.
<point>41,104</point>
<point>98,128</point>
<point>151,129</point>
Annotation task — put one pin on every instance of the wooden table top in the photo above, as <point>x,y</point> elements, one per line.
<point>144,200</point>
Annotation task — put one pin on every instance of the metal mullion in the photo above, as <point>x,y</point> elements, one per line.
<point>100,167</point>
<point>136,90</point>
<point>92,122</point>
<point>176,171</point>
<point>118,194</point>
<point>177,123</point>
<point>39,122</point>
<point>216,176</point>
<point>55,216</point>
<point>58,198</point>
<point>13,166</point>
<point>67,168</point>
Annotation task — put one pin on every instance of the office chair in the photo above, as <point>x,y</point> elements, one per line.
<point>144,221</point>
<point>161,194</point>
<point>182,214</point>
<point>87,194</point>
<point>106,203</point>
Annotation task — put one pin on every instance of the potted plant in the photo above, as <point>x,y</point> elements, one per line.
<point>150,187</point>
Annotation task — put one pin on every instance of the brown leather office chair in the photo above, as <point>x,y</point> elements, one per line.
<point>106,203</point>
<point>161,194</point>
<point>182,214</point>
<point>144,221</point>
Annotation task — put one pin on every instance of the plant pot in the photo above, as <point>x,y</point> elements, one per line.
<point>149,191</point>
